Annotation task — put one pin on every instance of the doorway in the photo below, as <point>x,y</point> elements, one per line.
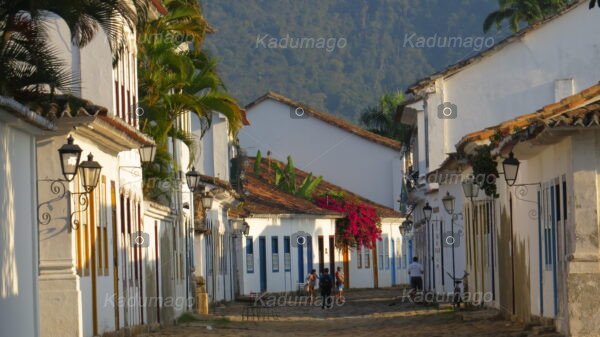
<point>262,255</point>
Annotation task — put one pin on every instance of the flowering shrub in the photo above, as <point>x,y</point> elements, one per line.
<point>360,227</point>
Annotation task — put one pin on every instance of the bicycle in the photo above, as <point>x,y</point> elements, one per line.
<point>457,297</point>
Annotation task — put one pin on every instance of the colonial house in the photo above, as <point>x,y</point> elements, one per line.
<point>546,220</point>
<point>539,65</point>
<point>107,259</point>
<point>214,256</point>
<point>343,153</point>
<point>288,236</point>
<point>19,127</point>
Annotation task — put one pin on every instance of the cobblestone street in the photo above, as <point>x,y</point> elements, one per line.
<point>366,313</point>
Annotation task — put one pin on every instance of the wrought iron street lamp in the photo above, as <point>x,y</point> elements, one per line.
<point>207,201</point>
<point>511,169</point>
<point>245,228</point>
<point>90,172</point>
<point>147,153</point>
<point>427,211</point>
<point>470,188</point>
<point>193,179</point>
<point>405,227</point>
<point>70,155</point>
<point>448,202</point>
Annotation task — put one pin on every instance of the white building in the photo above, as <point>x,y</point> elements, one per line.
<point>214,238</point>
<point>19,128</point>
<point>538,66</point>
<point>551,210</point>
<point>289,236</point>
<point>96,262</point>
<point>345,154</point>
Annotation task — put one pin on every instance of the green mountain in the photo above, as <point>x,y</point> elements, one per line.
<point>340,55</point>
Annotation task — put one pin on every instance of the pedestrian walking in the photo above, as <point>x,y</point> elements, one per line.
<point>311,282</point>
<point>415,272</point>
<point>325,285</point>
<point>339,283</point>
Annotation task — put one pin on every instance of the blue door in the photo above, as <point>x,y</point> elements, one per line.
<point>300,263</point>
<point>393,262</point>
<point>309,254</point>
<point>262,254</point>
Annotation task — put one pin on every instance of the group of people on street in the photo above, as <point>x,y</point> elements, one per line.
<point>326,284</point>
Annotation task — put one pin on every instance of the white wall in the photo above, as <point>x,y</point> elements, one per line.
<point>519,79</point>
<point>213,154</point>
<point>286,281</point>
<point>18,233</point>
<point>342,158</point>
<point>282,280</point>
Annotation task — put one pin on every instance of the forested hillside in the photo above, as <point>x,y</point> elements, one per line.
<point>369,47</point>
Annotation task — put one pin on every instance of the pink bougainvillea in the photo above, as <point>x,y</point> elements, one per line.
<point>360,227</point>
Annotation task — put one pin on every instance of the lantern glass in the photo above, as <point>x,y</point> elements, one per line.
<point>90,173</point>
<point>511,169</point>
<point>470,188</point>
<point>402,230</point>
<point>427,211</point>
<point>147,153</point>
<point>70,156</point>
<point>406,227</point>
<point>207,201</point>
<point>193,179</point>
<point>448,202</point>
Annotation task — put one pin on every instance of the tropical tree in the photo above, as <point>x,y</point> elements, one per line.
<point>30,65</point>
<point>380,119</point>
<point>518,12</point>
<point>176,77</point>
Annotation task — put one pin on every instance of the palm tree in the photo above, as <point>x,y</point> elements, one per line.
<point>174,81</point>
<point>32,64</point>
<point>522,11</point>
<point>380,119</point>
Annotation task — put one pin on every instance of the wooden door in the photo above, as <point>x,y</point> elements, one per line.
<point>115,251</point>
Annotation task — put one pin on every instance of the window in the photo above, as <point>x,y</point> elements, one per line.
<point>275,253</point>
<point>287,258</point>
<point>367,258</point>
<point>249,255</point>
<point>222,255</point>
<point>564,195</point>
<point>549,209</point>
<point>426,136</point>
<point>386,252</point>
<point>358,257</point>
<point>380,253</point>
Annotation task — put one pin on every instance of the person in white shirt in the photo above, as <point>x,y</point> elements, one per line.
<point>415,272</point>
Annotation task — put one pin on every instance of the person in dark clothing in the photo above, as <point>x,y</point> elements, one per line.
<point>325,285</point>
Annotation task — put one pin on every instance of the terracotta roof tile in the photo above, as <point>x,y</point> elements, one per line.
<point>330,119</point>
<point>262,194</point>
<point>581,109</point>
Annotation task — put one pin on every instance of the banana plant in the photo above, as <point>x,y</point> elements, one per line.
<point>285,179</point>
